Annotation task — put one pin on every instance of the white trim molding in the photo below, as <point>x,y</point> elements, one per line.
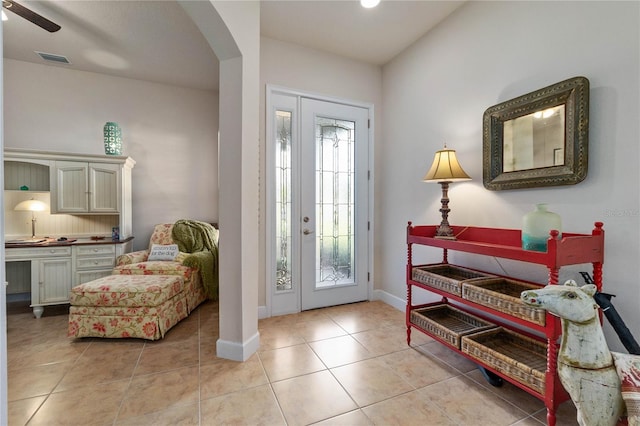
<point>236,351</point>
<point>390,299</point>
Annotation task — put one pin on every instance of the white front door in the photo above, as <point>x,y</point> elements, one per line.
<point>318,203</point>
<point>333,203</point>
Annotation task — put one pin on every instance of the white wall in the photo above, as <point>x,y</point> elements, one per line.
<point>299,68</point>
<point>171,132</point>
<point>489,52</point>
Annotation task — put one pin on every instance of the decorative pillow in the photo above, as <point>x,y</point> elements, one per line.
<point>163,252</point>
<point>628,367</point>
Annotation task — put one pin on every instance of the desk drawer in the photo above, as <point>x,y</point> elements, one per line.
<point>94,262</point>
<point>96,250</point>
<point>36,252</point>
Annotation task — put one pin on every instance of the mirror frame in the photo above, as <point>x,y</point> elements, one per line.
<point>574,95</point>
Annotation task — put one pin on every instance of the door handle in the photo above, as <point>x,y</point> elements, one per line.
<point>307,232</point>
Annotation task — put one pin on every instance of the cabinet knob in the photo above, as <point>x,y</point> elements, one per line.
<point>95,250</point>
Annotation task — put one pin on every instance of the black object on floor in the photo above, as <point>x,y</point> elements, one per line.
<point>491,377</point>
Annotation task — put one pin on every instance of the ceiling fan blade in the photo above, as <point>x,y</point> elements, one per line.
<point>30,15</point>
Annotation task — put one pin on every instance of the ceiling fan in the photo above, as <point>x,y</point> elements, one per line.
<point>30,15</point>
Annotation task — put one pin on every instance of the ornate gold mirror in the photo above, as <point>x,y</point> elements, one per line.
<point>538,139</point>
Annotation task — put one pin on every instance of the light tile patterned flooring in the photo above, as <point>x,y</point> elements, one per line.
<point>345,365</point>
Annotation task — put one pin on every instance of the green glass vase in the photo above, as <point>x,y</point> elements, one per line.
<point>536,226</point>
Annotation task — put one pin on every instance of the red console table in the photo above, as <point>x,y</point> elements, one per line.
<point>571,249</point>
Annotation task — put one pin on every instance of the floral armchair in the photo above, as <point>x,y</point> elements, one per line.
<point>186,265</point>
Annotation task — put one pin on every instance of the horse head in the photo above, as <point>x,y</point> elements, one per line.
<point>568,301</point>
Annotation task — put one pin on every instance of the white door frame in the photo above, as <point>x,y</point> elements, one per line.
<point>296,95</point>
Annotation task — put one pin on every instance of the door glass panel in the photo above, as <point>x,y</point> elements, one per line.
<point>335,202</point>
<point>283,201</point>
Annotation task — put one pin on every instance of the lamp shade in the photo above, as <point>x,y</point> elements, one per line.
<point>445,168</point>
<point>32,206</point>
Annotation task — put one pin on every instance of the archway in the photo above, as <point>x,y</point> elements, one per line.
<point>232,29</point>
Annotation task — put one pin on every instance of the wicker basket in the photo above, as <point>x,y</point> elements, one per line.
<point>503,295</point>
<point>448,323</point>
<point>446,277</point>
<point>517,356</point>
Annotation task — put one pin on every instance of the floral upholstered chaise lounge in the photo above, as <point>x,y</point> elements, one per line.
<point>145,297</point>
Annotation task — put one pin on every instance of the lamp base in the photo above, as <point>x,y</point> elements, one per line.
<point>444,237</point>
<point>444,232</point>
<point>33,226</point>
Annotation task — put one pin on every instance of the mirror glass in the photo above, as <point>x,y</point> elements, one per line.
<point>534,140</point>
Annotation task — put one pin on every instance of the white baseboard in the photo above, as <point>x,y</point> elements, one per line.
<point>238,351</point>
<point>262,312</point>
<point>390,299</point>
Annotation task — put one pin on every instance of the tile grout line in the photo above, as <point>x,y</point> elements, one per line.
<point>57,384</point>
<point>126,392</point>
<point>490,389</point>
<point>273,392</point>
<point>342,386</point>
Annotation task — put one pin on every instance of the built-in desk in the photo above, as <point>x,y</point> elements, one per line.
<point>56,266</point>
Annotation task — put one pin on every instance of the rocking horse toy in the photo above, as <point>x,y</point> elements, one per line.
<point>591,374</point>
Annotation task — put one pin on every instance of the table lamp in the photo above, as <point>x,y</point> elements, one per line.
<point>32,206</point>
<point>444,170</point>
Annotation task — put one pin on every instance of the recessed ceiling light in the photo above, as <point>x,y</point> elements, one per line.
<point>368,4</point>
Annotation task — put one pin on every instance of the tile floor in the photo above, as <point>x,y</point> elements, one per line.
<point>345,365</point>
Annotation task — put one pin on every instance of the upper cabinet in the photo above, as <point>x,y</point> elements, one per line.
<point>80,187</point>
<point>93,185</point>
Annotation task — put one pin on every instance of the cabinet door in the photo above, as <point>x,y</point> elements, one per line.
<point>104,187</point>
<point>54,281</point>
<point>85,188</point>
<point>70,187</point>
